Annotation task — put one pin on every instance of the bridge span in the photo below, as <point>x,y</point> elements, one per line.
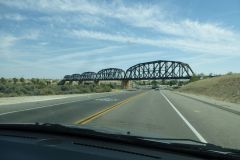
<point>154,70</point>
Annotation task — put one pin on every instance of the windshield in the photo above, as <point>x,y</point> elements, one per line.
<point>156,69</point>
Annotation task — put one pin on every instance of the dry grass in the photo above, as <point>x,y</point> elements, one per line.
<point>226,88</point>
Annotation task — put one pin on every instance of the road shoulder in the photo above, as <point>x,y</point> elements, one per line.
<point>27,99</point>
<point>227,106</point>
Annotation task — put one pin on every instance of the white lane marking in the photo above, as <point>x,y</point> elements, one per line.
<point>200,137</point>
<point>197,111</point>
<point>1,114</point>
<point>107,99</point>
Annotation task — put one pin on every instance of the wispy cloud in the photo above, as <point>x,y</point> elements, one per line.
<point>8,42</point>
<point>184,34</point>
<point>69,20</point>
<point>55,6</point>
<point>80,54</point>
<point>185,44</point>
<point>13,17</point>
<point>139,15</point>
<point>61,24</point>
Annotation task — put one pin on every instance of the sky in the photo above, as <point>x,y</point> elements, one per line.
<point>50,39</point>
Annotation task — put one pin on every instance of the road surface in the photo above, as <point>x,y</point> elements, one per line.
<point>150,113</point>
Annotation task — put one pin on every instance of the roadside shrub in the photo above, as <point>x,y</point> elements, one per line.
<point>2,88</point>
<point>13,95</point>
<point>64,88</point>
<point>32,87</point>
<point>194,78</point>
<point>86,90</point>
<point>46,92</point>
<point>2,94</point>
<point>3,80</point>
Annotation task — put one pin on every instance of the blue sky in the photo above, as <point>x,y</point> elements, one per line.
<point>49,39</point>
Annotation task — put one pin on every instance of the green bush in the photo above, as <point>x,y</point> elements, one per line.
<point>2,94</point>
<point>194,78</point>
<point>11,87</point>
<point>3,81</point>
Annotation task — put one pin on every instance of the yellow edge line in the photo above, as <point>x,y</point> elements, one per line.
<point>100,113</point>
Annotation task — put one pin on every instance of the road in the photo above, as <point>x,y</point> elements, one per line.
<point>150,113</point>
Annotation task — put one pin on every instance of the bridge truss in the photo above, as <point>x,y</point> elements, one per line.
<point>143,71</point>
<point>159,70</point>
<point>110,74</point>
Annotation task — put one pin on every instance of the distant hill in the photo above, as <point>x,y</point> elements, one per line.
<point>226,88</point>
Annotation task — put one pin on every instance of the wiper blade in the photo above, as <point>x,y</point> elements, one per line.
<point>173,140</point>
<point>196,145</point>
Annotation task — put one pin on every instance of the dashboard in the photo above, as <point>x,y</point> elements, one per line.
<point>24,145</point>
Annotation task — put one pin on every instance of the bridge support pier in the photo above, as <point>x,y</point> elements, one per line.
<point>62,82</point>
<point>80,82</point>
<point>125,84</point>
<point>96,82</point>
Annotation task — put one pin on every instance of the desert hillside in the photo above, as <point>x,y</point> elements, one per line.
<point>226,88</point>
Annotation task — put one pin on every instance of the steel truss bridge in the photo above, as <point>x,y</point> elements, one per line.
<point>154,70</point>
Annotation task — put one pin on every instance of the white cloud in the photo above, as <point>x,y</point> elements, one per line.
<point>8,42</point>
<point>169,30</point>
<point>69,20</point>
<point>74,61</point>
<point>78,61</point>
<point>32,35</point>
<point>224,48</point>
<point>139,15</point>
<point>81,54</point>
<point>43,43</point>
<point>185,34</point>
<point>55,6</point>
<point>13,17</point>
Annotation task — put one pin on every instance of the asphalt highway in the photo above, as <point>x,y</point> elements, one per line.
<point>150,113</point>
